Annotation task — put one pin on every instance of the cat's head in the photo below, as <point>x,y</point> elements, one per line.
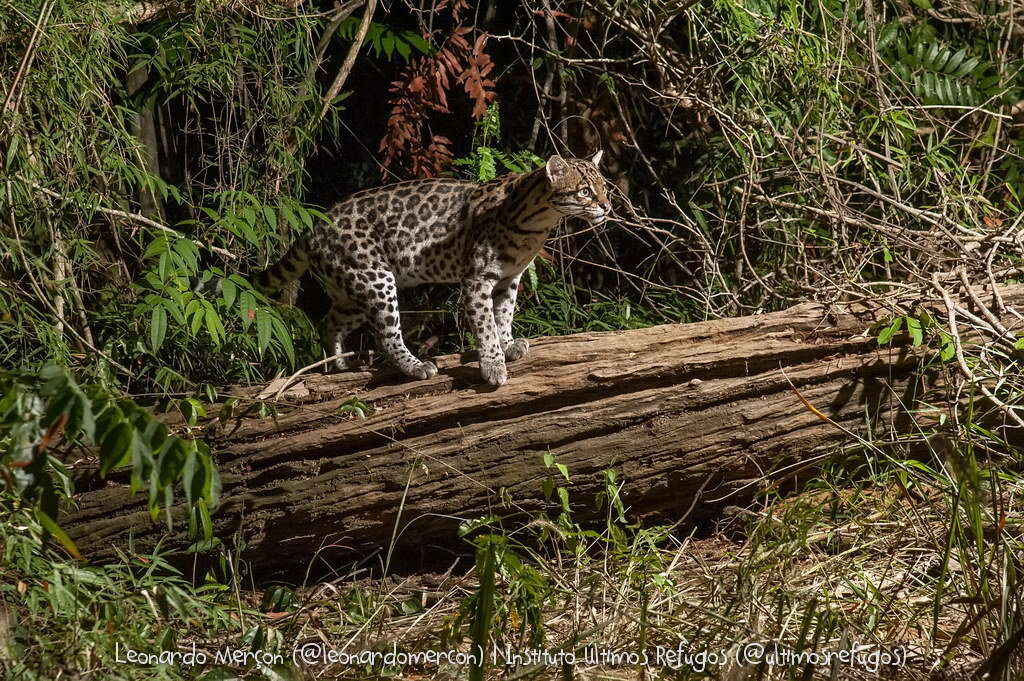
<point>578,189</point>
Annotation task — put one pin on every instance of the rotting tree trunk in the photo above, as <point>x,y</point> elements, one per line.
<point>692,417</point>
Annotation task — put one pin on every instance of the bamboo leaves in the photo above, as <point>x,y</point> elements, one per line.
<point>49,410</point>
<point>216,312</point>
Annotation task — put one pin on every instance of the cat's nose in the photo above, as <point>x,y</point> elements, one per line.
<point>607,206</point>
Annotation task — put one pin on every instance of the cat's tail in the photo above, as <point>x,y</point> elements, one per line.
<point>290,267</point>
<point>271,281</point>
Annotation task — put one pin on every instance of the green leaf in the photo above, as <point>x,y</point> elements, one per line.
<point>156,247</point>
<point>417,42</point>
<point>228,291</point>
<point>171,461</point>
<point>108,417</point>
<point>164,265</point>
<point>914,329</point>
<point>563,470</point>
<point>902,119</point>
<point>469,526</point>
<point>50,526</point>
<point>888,332</point>
<point>404,49</point>
<point>191,410</point>
<point>388,43</point>
<point>531,275</point>
<point>115,449</point>
<point>198,316</point>
<point>947,350</point>
<point>12,150</point>
<point>213,483</point>
<point>290,217</point>
<point>157,328</point>
<point>249,215</point>
<point>967,66</point>
<point>271,217</point>
<point>954,61</point>
<point>214,325</point>
<point>263,329</point>
<point>484,600</point>
<point>142,464</point>
<point>284,337</point>
<point>204,518</point>
<point>192,467</point>
<point>247,303</point>
<point>563,497</point>
<point>188,254</point>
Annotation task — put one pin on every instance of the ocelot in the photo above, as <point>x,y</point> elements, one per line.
<point>437,231</point>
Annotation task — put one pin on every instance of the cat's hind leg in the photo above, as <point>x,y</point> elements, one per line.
<point>342,319</point>
<point>377,294</point>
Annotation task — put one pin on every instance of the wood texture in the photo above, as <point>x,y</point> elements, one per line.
<point>692,417</point>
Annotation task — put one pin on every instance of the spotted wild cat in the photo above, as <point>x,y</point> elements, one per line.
<point>440,231</point>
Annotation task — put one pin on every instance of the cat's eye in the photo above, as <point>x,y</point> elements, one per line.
<point>586,192</point>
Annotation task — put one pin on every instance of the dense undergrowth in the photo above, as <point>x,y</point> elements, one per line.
<point>765,152</point>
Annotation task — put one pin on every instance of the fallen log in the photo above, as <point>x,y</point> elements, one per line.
<point>691,417</point>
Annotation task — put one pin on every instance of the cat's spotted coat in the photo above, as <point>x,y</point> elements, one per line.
<point>481,236</point>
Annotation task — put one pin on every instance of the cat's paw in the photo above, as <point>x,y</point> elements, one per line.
<point>517,349</point>
<point>494,373</point>
<point>424,370</point>
<point>340,364</point>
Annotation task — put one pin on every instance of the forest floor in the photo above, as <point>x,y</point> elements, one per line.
<point>861,567</point>
<point>869,566</point>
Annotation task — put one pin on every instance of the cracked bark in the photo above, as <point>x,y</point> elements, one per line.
<point>692,417</point>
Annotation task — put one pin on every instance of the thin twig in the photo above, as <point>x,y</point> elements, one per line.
<point>26,60</point>
<point>350,59</point>
<point>314,365</point>
<point>959,353</point>
<point>142,219</point>
<point>45,300</point>
<point>992,319</point>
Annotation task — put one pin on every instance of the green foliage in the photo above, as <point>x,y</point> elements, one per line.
<point>812,120</point>
<point>556,308</point>
<point>517,566</point>
<point>778,168</point>
<point>354,407</point>
<point>483,162</point>
<point>918,327</point>
<point>87,210</point>
<point>383,40</point>
<point>482,604</point>
<point>936,73</point>
<point>60,616</point>
<point>46,417</point>
<point>193,325</point>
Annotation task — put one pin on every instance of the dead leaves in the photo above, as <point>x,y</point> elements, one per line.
<point>422,88</point>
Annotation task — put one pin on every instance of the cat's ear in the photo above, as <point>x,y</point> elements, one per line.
<point>596,160</point>
<point>556,168</point>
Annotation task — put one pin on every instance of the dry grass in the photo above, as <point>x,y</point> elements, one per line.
<point>877,563</point>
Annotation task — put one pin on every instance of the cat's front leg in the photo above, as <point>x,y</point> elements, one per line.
<point>504,310</point>
<point>477,296</point>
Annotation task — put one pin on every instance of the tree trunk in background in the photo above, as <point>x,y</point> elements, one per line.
<point>146,132</point>
<point>691,417</point>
